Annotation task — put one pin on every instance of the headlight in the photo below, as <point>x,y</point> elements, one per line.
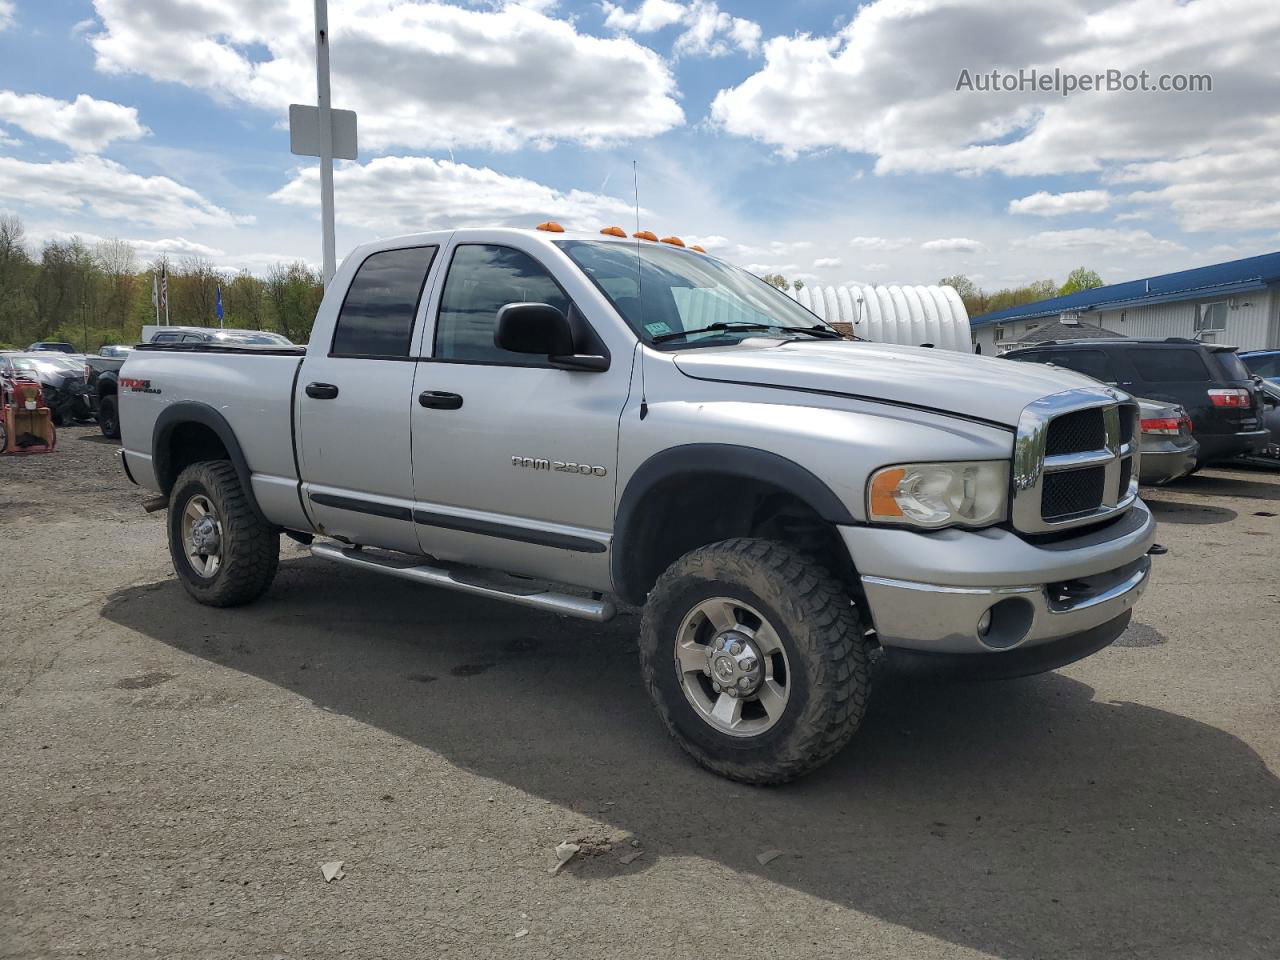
<point>933,495</point>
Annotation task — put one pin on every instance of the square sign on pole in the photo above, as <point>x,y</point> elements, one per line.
<point>304,132</point>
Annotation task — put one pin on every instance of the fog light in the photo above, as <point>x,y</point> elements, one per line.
<point>984,624</point>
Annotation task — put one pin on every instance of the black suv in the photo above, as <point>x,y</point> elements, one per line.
<point>1207,379</point>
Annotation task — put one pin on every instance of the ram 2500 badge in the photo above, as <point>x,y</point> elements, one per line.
<point>620,417</point>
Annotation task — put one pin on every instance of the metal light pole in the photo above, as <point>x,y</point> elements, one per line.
<point>323,132</point>
<point>325,140</point>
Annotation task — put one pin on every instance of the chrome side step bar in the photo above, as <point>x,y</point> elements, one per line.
<point>583,608</point>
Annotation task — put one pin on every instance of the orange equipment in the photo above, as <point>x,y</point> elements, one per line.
<point>26,425</point>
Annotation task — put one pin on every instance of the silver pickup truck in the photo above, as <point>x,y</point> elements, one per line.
<point>558,420</point>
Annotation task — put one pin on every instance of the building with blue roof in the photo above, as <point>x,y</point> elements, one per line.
<point>1237,302</point>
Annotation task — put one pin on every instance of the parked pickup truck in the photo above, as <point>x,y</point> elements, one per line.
<point>618,417</point>
<point>102,372</point>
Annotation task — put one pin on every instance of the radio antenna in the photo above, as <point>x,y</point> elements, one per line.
<point>635,187</point>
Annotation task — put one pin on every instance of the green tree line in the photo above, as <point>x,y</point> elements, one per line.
<point>91,295</point>
<point>978,301</point>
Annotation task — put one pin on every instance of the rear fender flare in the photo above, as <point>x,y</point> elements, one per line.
<point>188,411</point>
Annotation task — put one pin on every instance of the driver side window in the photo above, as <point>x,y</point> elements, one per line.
<point>482,279</point>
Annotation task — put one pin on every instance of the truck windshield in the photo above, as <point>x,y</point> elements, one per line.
<point>678,298</point>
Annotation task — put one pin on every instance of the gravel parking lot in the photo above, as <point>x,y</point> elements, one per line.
<point>174,775</point>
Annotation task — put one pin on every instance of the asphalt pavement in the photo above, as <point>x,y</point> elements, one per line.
<point>173,776</point>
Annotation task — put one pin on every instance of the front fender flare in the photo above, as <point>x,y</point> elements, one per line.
<point>723,459</point>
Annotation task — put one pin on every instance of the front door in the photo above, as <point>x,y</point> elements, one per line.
<point>513,458</point>
<point>353,406</point>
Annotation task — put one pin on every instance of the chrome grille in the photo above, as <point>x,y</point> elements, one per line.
<point>1074,460</point>
<point>1071,492</point>
<point>1076,433</point>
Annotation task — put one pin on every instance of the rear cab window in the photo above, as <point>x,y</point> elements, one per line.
<point>377,315</point>
<point>1170,365</point>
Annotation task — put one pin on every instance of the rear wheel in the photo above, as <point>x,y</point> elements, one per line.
<point>224,553</point>
<point>109,417</point>
<point>754,657</point>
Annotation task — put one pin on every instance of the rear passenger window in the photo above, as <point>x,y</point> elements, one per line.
<point>1169,365</point>
<point>1092,363</point>
<point>484,278</point>
<point>376,319</point>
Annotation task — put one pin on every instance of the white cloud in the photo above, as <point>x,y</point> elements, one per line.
<point>1045,204</point>
<point>173,246</point>
<point>421,76</point>
<point>6,13</point>
<point>885,85</point>
<point>708,30</point>
<point>411,194</point>
<point>879,243</point>
<point>85,125</point>
<point>1236,187</point>
<point>711,242</point>
<point>951,245</point>
<point>760,269</point>
<point>110,191</point>
<point>875,267</point>
<point>823,263</point>
<point>1102,240</point>
<point>651,15</point>
<point>176,247</point>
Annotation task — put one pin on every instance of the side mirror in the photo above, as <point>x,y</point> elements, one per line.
<point>533,328</point>
<point>539,328</point>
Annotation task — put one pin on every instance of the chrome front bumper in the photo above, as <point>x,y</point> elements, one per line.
<point>1036,594</point>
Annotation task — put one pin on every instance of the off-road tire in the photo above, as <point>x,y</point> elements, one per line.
<point>820,630</point>
<point>109,417</point>
<point>250,550</point>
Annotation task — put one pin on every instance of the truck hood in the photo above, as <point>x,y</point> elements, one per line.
<point>966,385</point>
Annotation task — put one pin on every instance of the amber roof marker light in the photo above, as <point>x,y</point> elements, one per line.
<point>674,241</point>
<point>646,235</point>
<point>698,248</point>
<point>614,232</point>
<point>551,227</point>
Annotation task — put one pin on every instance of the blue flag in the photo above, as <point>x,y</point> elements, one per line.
<point>217,305</point>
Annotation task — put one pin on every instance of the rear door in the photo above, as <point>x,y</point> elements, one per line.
<point>353,401</point>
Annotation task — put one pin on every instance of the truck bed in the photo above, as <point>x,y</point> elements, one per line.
<point>249,386</point>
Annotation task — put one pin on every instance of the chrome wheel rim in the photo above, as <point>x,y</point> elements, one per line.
<point>202,536</point>
<point>732,667</point>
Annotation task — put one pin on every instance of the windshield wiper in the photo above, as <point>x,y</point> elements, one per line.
<point>819,331</point>
<point>713,328</point>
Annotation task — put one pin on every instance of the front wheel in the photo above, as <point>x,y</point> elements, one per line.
<point>224,553</point>
<point>753,655</point>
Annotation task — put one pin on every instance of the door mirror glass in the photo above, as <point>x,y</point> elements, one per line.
<point>537,328</point>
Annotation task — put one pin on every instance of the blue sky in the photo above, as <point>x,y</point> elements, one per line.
<point>824,140</point>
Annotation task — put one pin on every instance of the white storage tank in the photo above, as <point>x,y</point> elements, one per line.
<point>908,315</point>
